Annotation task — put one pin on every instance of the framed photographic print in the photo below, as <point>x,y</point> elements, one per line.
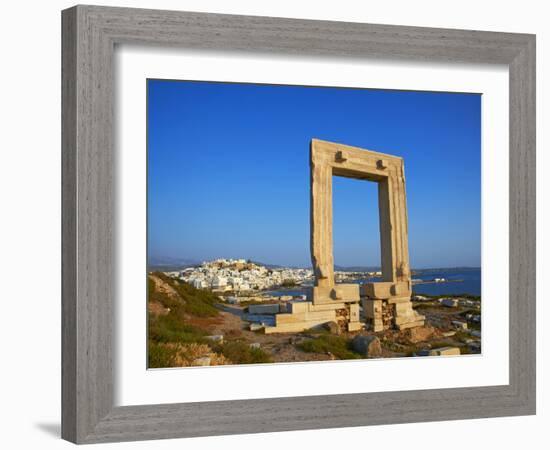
<point>279,224</point>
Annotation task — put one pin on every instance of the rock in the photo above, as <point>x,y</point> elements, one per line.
<point>419,334</point>
<point>333,328</point>
<point>420,298</point>
<point>424,352</point>
<point>216,338</point>
<point>256,326</point>
<point>445,351</point>
<point>255,345</point>
<point>459,324</point>
<point>204,361</point>
<point>448,333</point>
<point>475,333</point>
<point>466,302</point>
<point>449,302</point>
<point>286,298</point>
<point>475,347</point>
<point>367,346</point>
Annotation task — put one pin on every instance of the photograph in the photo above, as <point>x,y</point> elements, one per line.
<point>294,223</point>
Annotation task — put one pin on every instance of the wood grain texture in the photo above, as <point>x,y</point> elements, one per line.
<point>89,36</point>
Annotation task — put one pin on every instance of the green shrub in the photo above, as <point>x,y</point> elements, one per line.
<point>240,352</point>
<point>197,302</point>
<point>160,356</point>
<point>171,328</point>
<point>337,345</point>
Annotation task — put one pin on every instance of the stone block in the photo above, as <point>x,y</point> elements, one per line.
<point>256,326</point>
<point>404,309</point>
<point>445,351</point>
<point>401,289</point>
<point>386,289</point>
<point>400,320</point>
<point>372,308</point>
<point>326,307</point>
<point>264,309</point>
<point>449,302</point>
<point>296,327</point>
<point>298,307</point>
<point>355,326</point>
<point>287,328</point>
<point>354,312</point>
<point>404,326</point>
<point>379,290</point>
<point>290,318</point>
<point>216,338</point>
<point>459,324</point>
<point>318,316</point>
<point>339,293</point>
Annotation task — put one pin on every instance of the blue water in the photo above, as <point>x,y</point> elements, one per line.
<point>460,281</point>
<point>470,284</point>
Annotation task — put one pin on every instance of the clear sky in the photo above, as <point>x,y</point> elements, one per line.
<point>228,171</point>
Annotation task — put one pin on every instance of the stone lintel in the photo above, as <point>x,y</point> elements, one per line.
<point>364,162</point>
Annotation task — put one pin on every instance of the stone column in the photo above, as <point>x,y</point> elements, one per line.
<point>321,220</point>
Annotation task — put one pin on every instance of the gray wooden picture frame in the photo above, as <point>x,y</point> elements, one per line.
<point>90,34</point>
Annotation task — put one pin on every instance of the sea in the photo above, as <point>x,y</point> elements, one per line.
<point>458,281</point>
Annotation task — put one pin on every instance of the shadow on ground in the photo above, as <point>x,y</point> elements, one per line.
<point>53,429</point>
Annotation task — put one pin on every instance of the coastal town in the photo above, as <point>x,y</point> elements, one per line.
<point>244,276</point>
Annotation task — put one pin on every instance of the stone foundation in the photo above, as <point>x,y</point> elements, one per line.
<point>302,316</point>
<point>388,305</point>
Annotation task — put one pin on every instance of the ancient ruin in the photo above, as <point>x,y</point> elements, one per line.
<point>386,304</point>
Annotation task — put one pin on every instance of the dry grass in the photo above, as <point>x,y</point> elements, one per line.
<point>186,355</point>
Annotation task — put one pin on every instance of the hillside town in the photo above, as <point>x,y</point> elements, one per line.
<point>239,275</point>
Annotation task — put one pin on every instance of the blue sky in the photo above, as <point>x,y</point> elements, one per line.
<point>228,171</point>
